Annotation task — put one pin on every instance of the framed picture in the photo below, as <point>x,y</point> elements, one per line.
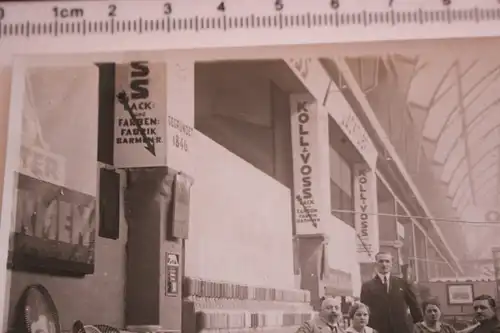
<point>460,294</point>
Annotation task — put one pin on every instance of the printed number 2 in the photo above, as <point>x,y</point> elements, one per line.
<point>112,10</point>
<point>221,7</point>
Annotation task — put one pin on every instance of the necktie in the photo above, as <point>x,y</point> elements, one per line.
<point>386,285</point>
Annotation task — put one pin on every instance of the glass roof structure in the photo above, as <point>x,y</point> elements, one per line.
<point>456,104</point>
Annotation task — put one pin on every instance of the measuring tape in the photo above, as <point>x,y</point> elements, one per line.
<point>102,26</point>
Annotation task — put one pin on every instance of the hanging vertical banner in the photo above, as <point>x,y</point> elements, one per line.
<point>366,220</point>
<point>310,163</point>
<point>496,265</point>
<point>140,115</point>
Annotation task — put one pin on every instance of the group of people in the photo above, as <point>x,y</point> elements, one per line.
<point>383,308</point>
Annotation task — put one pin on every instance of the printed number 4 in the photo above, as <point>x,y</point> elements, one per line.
<point>221,7</point>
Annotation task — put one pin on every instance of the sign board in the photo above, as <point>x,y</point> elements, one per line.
<point>366,220</point>
<point>172,265</point>
<point>310,164</point>
<point>55,229</point>
<point>140,115</point>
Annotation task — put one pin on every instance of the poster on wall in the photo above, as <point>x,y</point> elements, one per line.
<point>365,221</point>
<point>140,114</point>
<point>54,211</point>
<point>172,266</point>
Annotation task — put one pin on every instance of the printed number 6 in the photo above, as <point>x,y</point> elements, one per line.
<point>335,4</point>
<point>112,10</point>
<point>167,8</point>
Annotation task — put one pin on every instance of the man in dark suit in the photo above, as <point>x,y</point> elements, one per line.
<point>389,298</point>
<point>485,313</point>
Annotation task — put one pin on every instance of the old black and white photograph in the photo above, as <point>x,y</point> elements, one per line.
<point>341,192</point>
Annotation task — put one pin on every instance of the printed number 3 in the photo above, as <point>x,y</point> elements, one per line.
<point>167,8</point>
<point>112,10</point>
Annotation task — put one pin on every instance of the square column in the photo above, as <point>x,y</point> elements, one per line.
<point>157,209</point>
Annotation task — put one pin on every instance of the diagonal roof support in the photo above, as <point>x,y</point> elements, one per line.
<point>465,134</point>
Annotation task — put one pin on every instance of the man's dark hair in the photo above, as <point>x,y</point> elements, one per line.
<point>491,300</point>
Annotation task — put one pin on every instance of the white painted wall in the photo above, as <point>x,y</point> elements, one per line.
<point>241,227</point>
<point>342,250</point>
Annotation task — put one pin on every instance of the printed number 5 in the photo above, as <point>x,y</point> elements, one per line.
<point>278,5</point>
<point>112,10</point>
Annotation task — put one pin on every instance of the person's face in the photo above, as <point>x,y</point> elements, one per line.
<point>330,310</point>
<point>432,313</point>
<point>361,317</point>
<point>384,263</point>
<point>482,310</point>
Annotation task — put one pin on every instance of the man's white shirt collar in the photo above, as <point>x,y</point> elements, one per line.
<point>381,276</point>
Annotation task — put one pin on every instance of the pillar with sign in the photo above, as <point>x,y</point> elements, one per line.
<point>154,120</point>
<point>311,187</point>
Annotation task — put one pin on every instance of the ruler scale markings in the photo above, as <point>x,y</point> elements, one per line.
<point>67,21</point>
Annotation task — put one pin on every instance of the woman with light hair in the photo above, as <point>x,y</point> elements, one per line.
<point>359,313</point>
